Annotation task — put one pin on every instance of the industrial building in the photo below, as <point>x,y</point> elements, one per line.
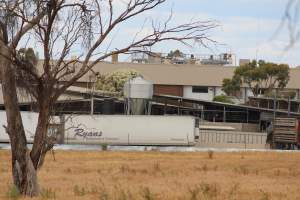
<point>202,82</point>
<point>179,89</point>
<point>184,88</point>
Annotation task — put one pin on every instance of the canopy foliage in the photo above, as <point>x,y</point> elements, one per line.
<point>258,76</point>
<point>115,81</point>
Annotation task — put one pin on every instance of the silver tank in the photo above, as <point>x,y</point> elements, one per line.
<point>138,92</point>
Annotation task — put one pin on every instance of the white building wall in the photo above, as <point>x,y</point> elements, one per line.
<point>216,91</point>
<point>249,93</point>
<point>243,96</point>
<point>238,100</point>
<point>219,91</point>
<point>188,93</point>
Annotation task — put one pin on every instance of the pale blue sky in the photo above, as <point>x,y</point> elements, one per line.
<point>246,29</point>
<point>230,8</point>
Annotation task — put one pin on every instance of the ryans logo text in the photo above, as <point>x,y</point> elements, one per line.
<point>86,134</point>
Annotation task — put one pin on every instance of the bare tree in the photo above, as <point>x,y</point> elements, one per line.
<point>16,19</point>
<point>61,28</point>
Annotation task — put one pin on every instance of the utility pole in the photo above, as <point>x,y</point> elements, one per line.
<point>274,105</point>
<point>92,93</point>
<point>289,106</point>
<point>224,114</point>
<point>92,103</point>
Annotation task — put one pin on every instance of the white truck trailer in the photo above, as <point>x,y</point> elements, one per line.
<point>114,129</point>
<point>130,130</point>
<point>30,120</point>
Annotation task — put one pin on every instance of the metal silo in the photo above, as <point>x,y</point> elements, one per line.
<point>138,92</point>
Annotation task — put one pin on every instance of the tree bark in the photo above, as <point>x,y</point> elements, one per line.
<point>24,174</point>
<point>40,145</point>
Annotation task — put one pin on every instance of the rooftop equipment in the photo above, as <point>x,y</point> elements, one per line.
<point>222,59</point>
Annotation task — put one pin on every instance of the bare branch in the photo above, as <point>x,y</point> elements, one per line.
<point>290,22</point>
<point>65,27</point>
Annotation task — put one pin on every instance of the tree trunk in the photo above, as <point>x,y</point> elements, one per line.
<point>40,145</point>
<point>24,174</point>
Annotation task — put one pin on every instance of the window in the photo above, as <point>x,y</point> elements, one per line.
<point>199,89</point>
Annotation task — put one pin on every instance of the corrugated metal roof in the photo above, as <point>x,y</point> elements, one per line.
<point>172,74</point>
<point>24,97</point>
<point>177,74</point>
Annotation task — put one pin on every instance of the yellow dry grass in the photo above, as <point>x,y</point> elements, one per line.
<point>157,175</point>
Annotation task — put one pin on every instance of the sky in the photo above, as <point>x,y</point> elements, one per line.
<point>250,29</point>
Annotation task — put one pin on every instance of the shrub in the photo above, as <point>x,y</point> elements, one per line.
<point>121,194</point>
<point>13,192</point>
<point>156,167</point>
<point>234,190</point>
<point>104,147</point>
<point>147,194</point>
<point>194,193</point>
<point>203,191</point>
<point>209,191</point>
<point>204,168</point>
<point>48,193</point>
<point>115,81</point>
<point>103,194</point>
<point>124,169</point>
<point>223,99</point>
<point>265,195</point>
<point>79,191</point>
<point>242,170</point>
<point>210,154</point>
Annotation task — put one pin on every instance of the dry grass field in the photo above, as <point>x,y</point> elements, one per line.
<point>157,175</point>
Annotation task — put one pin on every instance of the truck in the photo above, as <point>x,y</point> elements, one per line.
<point>131,130</point>
<point>286,133</point>
<point>113,129</point>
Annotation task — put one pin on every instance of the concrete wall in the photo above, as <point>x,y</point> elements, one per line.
<point>232,139</point>
<point>238,126</point>
<point>212,92</point>
<point>188,93</point>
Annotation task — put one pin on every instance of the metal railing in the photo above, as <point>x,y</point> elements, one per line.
<point>221,59</point>
<point>231,137</point>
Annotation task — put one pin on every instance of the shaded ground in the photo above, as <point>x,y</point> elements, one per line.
<point>156,175</point>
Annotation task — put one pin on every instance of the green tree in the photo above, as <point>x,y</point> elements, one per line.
<point>251,75</point>
<point>275,75</point>
<point>258,76</point>
<point>231,86</point>
<point>115,81</point>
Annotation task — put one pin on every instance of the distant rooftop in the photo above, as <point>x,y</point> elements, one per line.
<point>227,59</point>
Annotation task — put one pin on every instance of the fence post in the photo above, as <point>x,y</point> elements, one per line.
<point>224,114</point>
